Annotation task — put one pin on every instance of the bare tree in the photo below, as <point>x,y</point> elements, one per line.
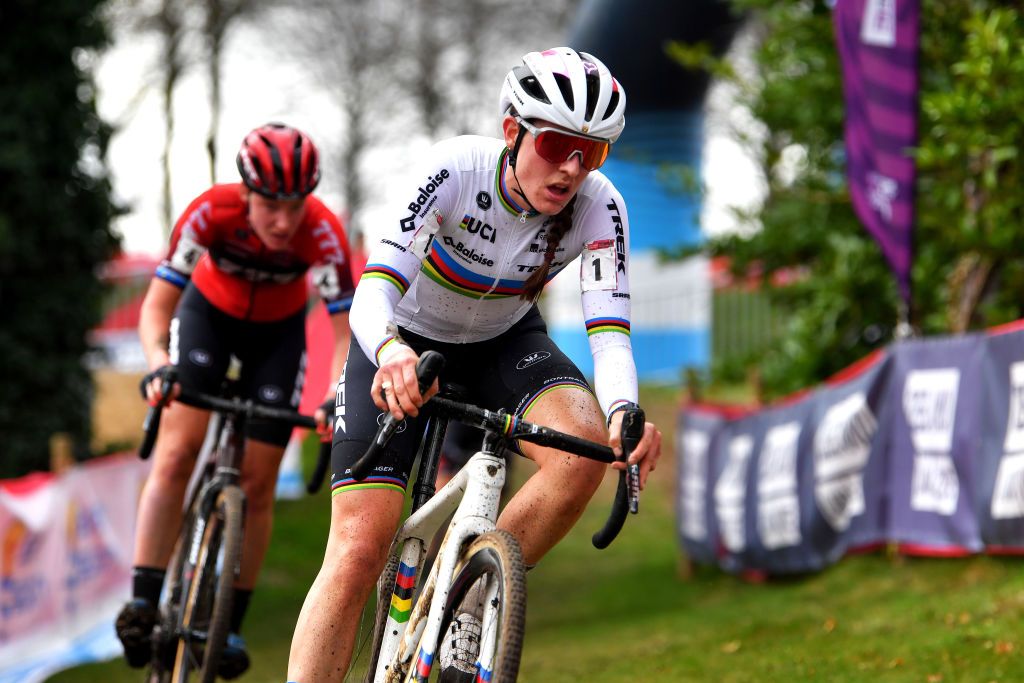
<point>455,80</point>
<point>218,17</point>
<point>354,49</point>
<point>166,19</point>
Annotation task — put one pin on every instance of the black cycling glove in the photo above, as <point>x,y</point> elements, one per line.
<point>167,373</point>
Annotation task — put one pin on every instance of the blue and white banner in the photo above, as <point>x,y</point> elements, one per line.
<point>921,446</point>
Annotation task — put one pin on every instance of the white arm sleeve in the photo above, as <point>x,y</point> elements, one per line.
<point>604,286</point>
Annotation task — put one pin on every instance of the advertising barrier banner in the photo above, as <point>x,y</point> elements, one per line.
<point>922,447</point>
<point>65,565</point>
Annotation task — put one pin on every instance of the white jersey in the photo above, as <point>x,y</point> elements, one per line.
<point>453,262</point>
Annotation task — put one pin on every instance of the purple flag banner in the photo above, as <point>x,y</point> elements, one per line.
<point>878,42</point>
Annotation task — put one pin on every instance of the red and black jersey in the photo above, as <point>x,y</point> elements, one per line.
<point>214,246</point>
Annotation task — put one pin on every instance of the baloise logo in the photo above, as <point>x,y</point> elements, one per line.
<point>467,254</point>
<point>424,199</point>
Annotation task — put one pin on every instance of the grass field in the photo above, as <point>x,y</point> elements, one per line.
<point>634,612</point>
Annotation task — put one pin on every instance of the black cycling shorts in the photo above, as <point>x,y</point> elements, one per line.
<point>510,371</point>
<point>273,356</point>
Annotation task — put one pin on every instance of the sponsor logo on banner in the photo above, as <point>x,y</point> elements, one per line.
<point>882,191</point>
<point>92,564</point>
<point>778,519</point>
<point>730,492</point>
<point>842,445</point>
<point>879,24</point>
<point>22,578</point>
<point>695,470</point>
<point>929,406</point>
<point>1008,493</point>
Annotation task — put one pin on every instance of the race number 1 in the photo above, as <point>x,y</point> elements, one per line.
<point>598,266</point>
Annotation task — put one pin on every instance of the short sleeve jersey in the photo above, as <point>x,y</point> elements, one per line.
<point>451,265</point>
<point>214,246</point>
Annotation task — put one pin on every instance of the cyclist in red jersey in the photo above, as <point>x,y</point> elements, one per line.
<point>234,284</point>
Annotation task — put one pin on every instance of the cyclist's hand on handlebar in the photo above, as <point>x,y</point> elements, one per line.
<point>395,387</point>
<point>647,451</point>
<point>152,385</point>
<point>324,416</point>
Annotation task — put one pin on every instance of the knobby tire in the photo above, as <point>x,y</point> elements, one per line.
<point>207,607</point>
<point>494,554</point>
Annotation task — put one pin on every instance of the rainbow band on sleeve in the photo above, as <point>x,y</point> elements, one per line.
<point>387,273</point>
<point>599,325</point>
<point>388,341</point>
<point>616,405</point>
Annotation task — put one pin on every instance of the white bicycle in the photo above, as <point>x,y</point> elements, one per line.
<point>465,621</point>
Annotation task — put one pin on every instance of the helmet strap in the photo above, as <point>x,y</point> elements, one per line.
<point>514,152</point>
<point>512,155</point>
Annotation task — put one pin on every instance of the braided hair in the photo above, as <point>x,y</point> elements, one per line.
<point>560,224</point>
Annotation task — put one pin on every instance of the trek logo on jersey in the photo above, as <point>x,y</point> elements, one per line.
<point>620,236</point>
<point>424,200</point>
<point>532,359</point>
<point>328,242</point>
<point>475,225</point>
<point>468,254</point>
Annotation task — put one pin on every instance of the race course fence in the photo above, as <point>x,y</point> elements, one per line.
<point>920,445</point>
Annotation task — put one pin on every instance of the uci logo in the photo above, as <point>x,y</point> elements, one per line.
<point>532,359</point>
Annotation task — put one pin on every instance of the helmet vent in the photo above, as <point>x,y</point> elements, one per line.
<point>566,89</point>
<point>530,84</point>
<point>593,88</point>
<point>612,103</point>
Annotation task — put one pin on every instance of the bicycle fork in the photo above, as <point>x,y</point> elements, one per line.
<point>413,630</point>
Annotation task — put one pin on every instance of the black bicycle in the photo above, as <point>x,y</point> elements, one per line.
<point>195,611</point>
<point>465,620</point>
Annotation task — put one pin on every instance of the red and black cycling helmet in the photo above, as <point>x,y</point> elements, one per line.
<point>279,162</point>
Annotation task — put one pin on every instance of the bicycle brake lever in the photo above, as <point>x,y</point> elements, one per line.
<point>632,431</point>
<point>628,491</point>
<point>427,369</point>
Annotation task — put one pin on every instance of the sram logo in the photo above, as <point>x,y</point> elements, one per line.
<point>423,200</point>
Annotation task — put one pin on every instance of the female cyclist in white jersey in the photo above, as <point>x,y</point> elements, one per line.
<point>487,223</point>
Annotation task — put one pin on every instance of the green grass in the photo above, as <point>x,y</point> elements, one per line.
<point>637,612</point>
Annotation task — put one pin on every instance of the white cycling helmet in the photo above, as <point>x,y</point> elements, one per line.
<point>572,89</point>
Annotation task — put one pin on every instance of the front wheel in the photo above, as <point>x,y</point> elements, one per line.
<point>206,610</point>
<point>482,629</point>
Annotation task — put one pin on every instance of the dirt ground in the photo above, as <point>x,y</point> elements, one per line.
<point>118,411</point>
